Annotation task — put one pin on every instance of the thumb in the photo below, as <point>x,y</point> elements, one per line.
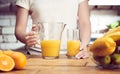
<point>34,27</point>
<point>81,47</point>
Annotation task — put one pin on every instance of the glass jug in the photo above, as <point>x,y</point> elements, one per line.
<point>50,34</point>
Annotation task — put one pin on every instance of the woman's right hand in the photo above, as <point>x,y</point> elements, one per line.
<point>31,37</point>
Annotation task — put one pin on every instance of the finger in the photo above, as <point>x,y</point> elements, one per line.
<point>31,42</point>
<point>30,37</point>
<point>33,33</point>
<point>34,27</point>
<point>85,56</point>
<point>30,33</point>
<point>82,57</point>
<point>79,55</point>
<point>82,54</point>
<point>81,48</point>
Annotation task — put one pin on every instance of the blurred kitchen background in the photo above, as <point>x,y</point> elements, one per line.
<point>103,14</point>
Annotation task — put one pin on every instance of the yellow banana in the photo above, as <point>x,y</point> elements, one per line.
<point>115,35</point>
<point>103,46</point>
<point>117,29</point>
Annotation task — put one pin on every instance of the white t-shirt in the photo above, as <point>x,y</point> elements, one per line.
<point>53,10</point>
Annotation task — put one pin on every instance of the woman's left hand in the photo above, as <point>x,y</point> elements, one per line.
<point>83,53</point>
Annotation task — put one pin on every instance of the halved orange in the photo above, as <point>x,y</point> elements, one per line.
<point>6,63</point>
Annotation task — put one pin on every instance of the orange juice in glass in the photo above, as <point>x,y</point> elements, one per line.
<point>73,42</point>
<point>73,47</point>
<point>50,48</point>
<point>50,38</point>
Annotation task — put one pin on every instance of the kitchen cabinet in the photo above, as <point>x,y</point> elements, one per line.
<point>104,2</point>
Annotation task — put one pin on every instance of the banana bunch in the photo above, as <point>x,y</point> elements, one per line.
<point>106,50</point>
<point>117,29</point>
<point>106,44</point>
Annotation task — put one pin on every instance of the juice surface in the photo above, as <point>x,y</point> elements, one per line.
<point>73,47</point>
<point>50,48</point>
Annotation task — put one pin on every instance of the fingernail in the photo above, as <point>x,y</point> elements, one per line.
<point>81,49</point>
<point>76,57</point>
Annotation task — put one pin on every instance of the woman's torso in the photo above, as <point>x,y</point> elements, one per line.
<point>54,11</point>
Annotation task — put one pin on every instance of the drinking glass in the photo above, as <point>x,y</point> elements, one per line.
<point>73,42</point>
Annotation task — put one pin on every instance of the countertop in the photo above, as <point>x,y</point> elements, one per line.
<point>63,65</point>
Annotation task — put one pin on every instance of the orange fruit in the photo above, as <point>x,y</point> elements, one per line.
<point>8,52</point>
<point>19,59</point>
<point>1,52</point>
<point>103,46</point>
<point>6,63</point>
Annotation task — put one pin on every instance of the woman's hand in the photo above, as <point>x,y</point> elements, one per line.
<point>31,37</point>
<point>85,29</point>
<point>83,53</point>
